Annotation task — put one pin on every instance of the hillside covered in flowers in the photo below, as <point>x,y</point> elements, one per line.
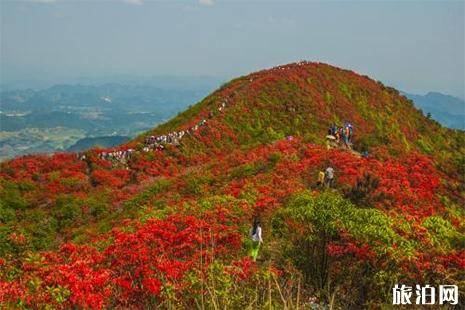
<point>163,221</point>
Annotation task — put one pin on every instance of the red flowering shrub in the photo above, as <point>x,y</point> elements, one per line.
<point>136,265</point>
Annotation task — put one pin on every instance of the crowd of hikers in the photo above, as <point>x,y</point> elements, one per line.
<point>154,142</point>
<point>287,67</point>
<point>158,143</point>
<point>174,138</point>
<point>340,136</point>
<point>119,155</point>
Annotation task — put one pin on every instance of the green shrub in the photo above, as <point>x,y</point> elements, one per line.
<point>194,185</point>
<point>66,210</point>
<point>424,146</point>
<point>442,234</point>
<point>11,195</point>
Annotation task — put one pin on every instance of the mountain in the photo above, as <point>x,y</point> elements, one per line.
<point>109,96</point>
<point>448,110</point>
<point>87,143</point>
<point>164,220</point>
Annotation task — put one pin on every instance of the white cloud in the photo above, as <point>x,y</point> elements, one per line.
<point>134,2</point>
<point>207,2</point>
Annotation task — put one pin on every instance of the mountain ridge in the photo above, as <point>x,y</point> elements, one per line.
<point>448,110</point>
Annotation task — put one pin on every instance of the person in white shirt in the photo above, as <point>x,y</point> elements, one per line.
<point>256,236</point>
<point>329,177</point>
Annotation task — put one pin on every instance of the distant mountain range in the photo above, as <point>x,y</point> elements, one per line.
<point>86,143</point>
<point>178,83</point>
<point>447,110</point>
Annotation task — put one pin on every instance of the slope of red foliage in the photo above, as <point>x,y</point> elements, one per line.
<point>68,242</point>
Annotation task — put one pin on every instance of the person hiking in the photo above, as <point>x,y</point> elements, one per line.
<point>329,177</point>
<point>332,130</point>
<point>345,136</point>
<point>351,132</point>
<point>321,179</point>
<point>256,236</point>
<point>338,135</point>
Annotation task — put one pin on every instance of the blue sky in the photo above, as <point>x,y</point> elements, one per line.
<point>417,46</point>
